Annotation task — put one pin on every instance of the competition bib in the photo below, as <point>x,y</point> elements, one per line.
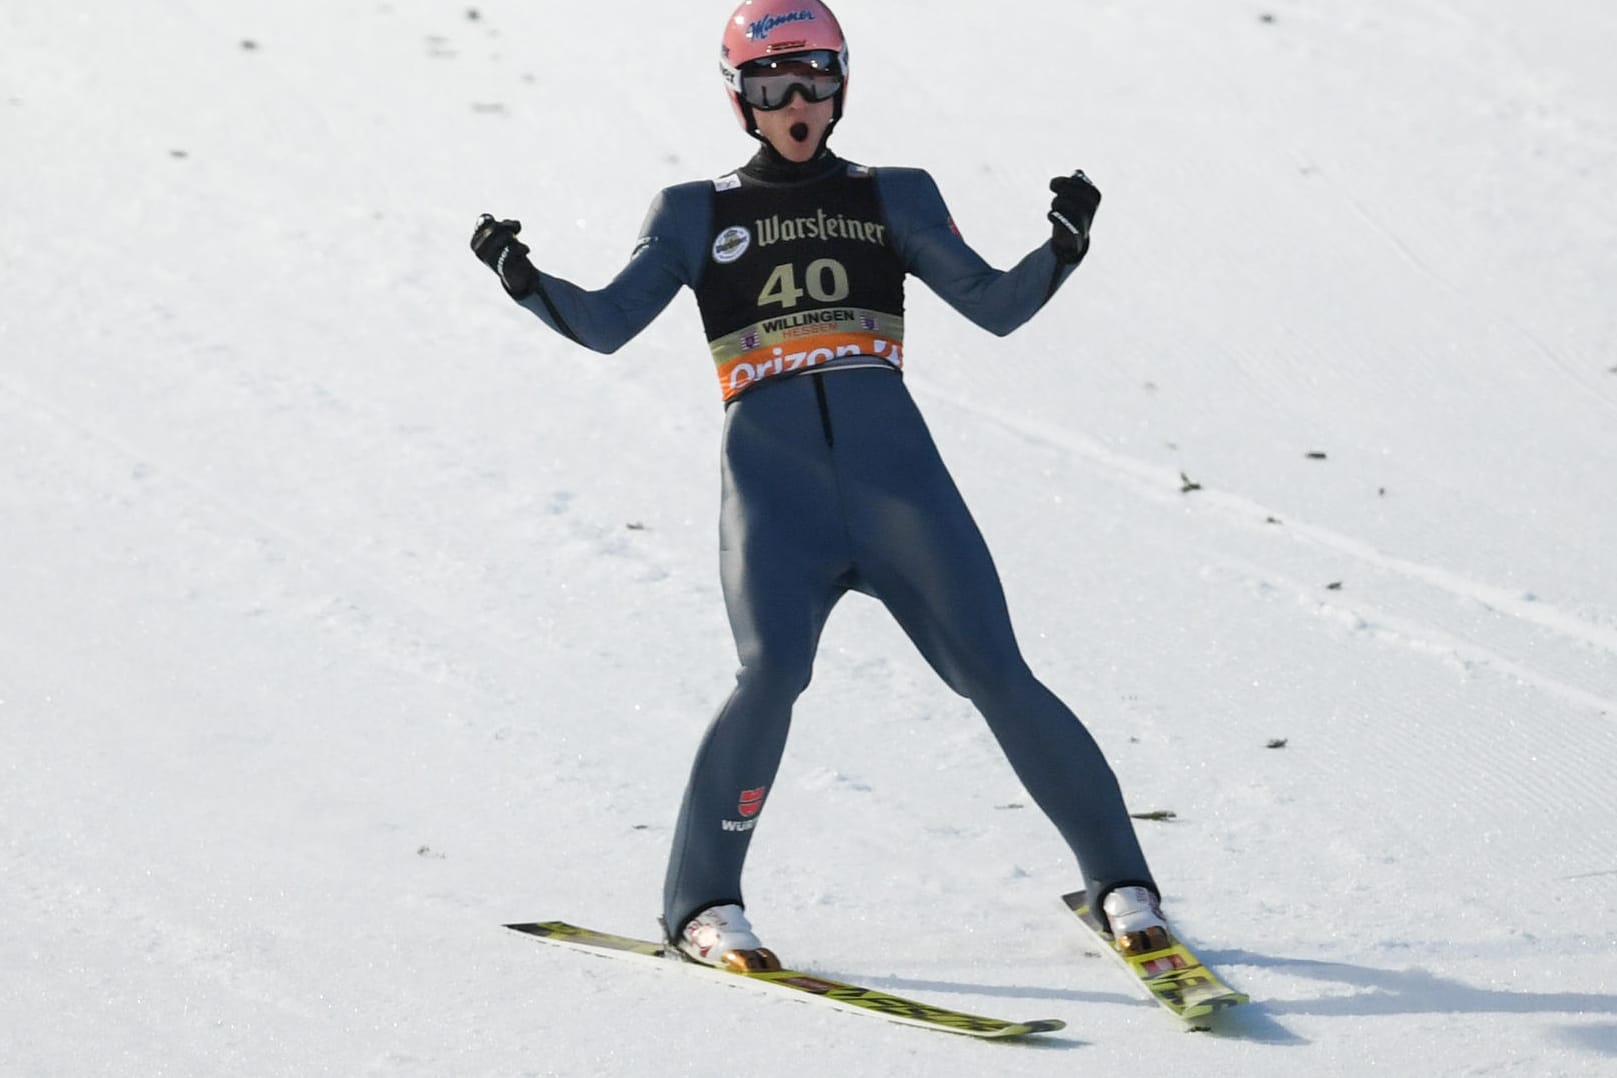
<point>798,277</point>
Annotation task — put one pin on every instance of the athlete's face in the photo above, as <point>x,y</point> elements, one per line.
<point>796,129</point>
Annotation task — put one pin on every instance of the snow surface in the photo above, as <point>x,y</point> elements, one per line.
<point>349,614</point>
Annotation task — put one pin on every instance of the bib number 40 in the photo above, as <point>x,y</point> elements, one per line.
<point>825,280</point>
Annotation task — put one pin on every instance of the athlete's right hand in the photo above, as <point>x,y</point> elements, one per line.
<point>496,244</point>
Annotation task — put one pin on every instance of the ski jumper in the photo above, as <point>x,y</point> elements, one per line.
<point>832,482</point>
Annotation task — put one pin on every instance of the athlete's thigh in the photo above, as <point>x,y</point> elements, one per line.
<point>920,551</point>
<point>783,545</point>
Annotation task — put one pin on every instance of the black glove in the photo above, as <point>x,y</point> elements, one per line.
<point>1071,212</point>
<point>496,243</point>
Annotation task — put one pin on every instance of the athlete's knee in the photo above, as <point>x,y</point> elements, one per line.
<point>781,677</point>
<point>984,678</point>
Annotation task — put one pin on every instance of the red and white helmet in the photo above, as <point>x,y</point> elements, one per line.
<point>768,29</point>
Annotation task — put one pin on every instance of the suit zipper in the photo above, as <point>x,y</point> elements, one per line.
<point>825,408</point>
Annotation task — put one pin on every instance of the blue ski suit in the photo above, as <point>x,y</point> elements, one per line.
<point>832,482</point>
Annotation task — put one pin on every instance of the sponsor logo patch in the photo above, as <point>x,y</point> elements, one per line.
<point>751,801</point>
<point>802,341</point>
<point>762,28</point>
<point>821,226</point>
<point>731,244</point>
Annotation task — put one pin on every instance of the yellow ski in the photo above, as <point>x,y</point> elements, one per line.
<point>1173,976</point>
<point>805,986</point>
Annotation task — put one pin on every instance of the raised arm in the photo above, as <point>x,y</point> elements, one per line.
<point>933,250</point>
<point>603,319</point>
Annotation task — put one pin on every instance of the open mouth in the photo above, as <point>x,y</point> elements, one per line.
<point>800,131</point>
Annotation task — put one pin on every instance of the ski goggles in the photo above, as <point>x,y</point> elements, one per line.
<point>768,84</point>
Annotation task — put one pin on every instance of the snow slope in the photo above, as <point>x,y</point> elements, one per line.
<point>347,614</point>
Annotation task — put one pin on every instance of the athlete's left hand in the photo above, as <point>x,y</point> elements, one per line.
<point>1071,213</point>
<point>495,243</point>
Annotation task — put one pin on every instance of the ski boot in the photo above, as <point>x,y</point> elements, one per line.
<point>1134,915</point>
<point>721,936</point>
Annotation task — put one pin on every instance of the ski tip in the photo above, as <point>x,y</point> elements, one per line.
<point>542,928</point>
<point>1008,1031</point>
<point>1214,1007</point>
